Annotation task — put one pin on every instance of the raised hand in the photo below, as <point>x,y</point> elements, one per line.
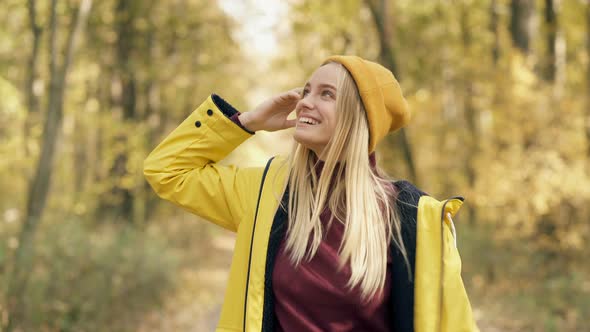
<point>271,115</point>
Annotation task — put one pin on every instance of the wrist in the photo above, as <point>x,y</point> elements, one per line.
<point>246,121</point>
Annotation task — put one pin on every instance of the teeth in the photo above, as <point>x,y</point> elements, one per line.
<point>308,120</point>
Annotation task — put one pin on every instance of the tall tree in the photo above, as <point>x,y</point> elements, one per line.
<point>494,19</point>
<point>522,24</point>
<point>469,108</point>
<point>380,13</point>
<point>152,96</point>
<point>587,115</point>
<point>126,99</point>
<point>550,64</point>
<point>40,184</point>
<point>119,202</point>
<point>30,93</point>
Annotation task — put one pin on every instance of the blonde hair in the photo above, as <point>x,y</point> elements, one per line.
<point>357,196</point>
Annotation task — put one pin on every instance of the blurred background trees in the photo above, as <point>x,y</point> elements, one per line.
<point>499,90</point>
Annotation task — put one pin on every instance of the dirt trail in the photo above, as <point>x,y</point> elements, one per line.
<point>196,305</point>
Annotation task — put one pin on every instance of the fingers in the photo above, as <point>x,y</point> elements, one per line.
<point>289,99</point>
<point>291,96</point>
<point>290,123</point>
<point>296,92</point>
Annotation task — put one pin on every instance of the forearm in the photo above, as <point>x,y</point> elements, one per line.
<point>183,168</point>
<point>207,135</point>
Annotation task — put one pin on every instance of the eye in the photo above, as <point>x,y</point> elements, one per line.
<point>328,93</point>
<point>304,93</point>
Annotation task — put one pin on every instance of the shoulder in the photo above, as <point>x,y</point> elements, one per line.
<point>406,202</point>
<point>408,193</point>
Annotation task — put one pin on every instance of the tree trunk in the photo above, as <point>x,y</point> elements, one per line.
<point>80,150</point>
<point>554,61</point>
<point>560,61</point>
<point>588,80</point>
<point>39,186</point>
<point>30,93</point>
<point>450,100</point>
<point>120,201</point>
<point>549,62</point>
<point>470,111</point>
<point>387,57</point>
<point>494,18</point>
<point>522,24</point>
<point>152,113</point>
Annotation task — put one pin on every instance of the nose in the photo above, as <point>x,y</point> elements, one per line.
<point>305,102</point>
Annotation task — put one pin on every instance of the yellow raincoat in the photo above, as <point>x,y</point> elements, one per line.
<point>183,169</point>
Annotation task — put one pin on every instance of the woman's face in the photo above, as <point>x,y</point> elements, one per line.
<point>316,111</point>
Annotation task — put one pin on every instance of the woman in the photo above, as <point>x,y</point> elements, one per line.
<point>325,241</point>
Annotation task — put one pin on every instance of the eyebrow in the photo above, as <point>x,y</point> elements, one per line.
<point>322,85</point>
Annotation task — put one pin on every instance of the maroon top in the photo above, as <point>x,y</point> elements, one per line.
<point>314,296</point>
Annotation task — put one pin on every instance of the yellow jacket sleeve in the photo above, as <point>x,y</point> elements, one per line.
<point>183,168</point>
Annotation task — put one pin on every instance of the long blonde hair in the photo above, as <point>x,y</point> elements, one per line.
<point>360,198</point>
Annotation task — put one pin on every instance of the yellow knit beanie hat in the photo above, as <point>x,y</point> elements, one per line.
<point>387,109</point>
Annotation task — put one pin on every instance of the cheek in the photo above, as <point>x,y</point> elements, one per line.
<point>332,117</point>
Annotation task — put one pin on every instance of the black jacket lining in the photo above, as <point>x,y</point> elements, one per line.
<point>224,106</point>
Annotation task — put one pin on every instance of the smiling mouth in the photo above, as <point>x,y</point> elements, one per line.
<point>308,121</point>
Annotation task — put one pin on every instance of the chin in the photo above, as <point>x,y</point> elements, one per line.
<point>301,139</point>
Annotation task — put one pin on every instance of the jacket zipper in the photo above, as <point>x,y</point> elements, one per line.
<point>252,240</point>
<point>442,256</point>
